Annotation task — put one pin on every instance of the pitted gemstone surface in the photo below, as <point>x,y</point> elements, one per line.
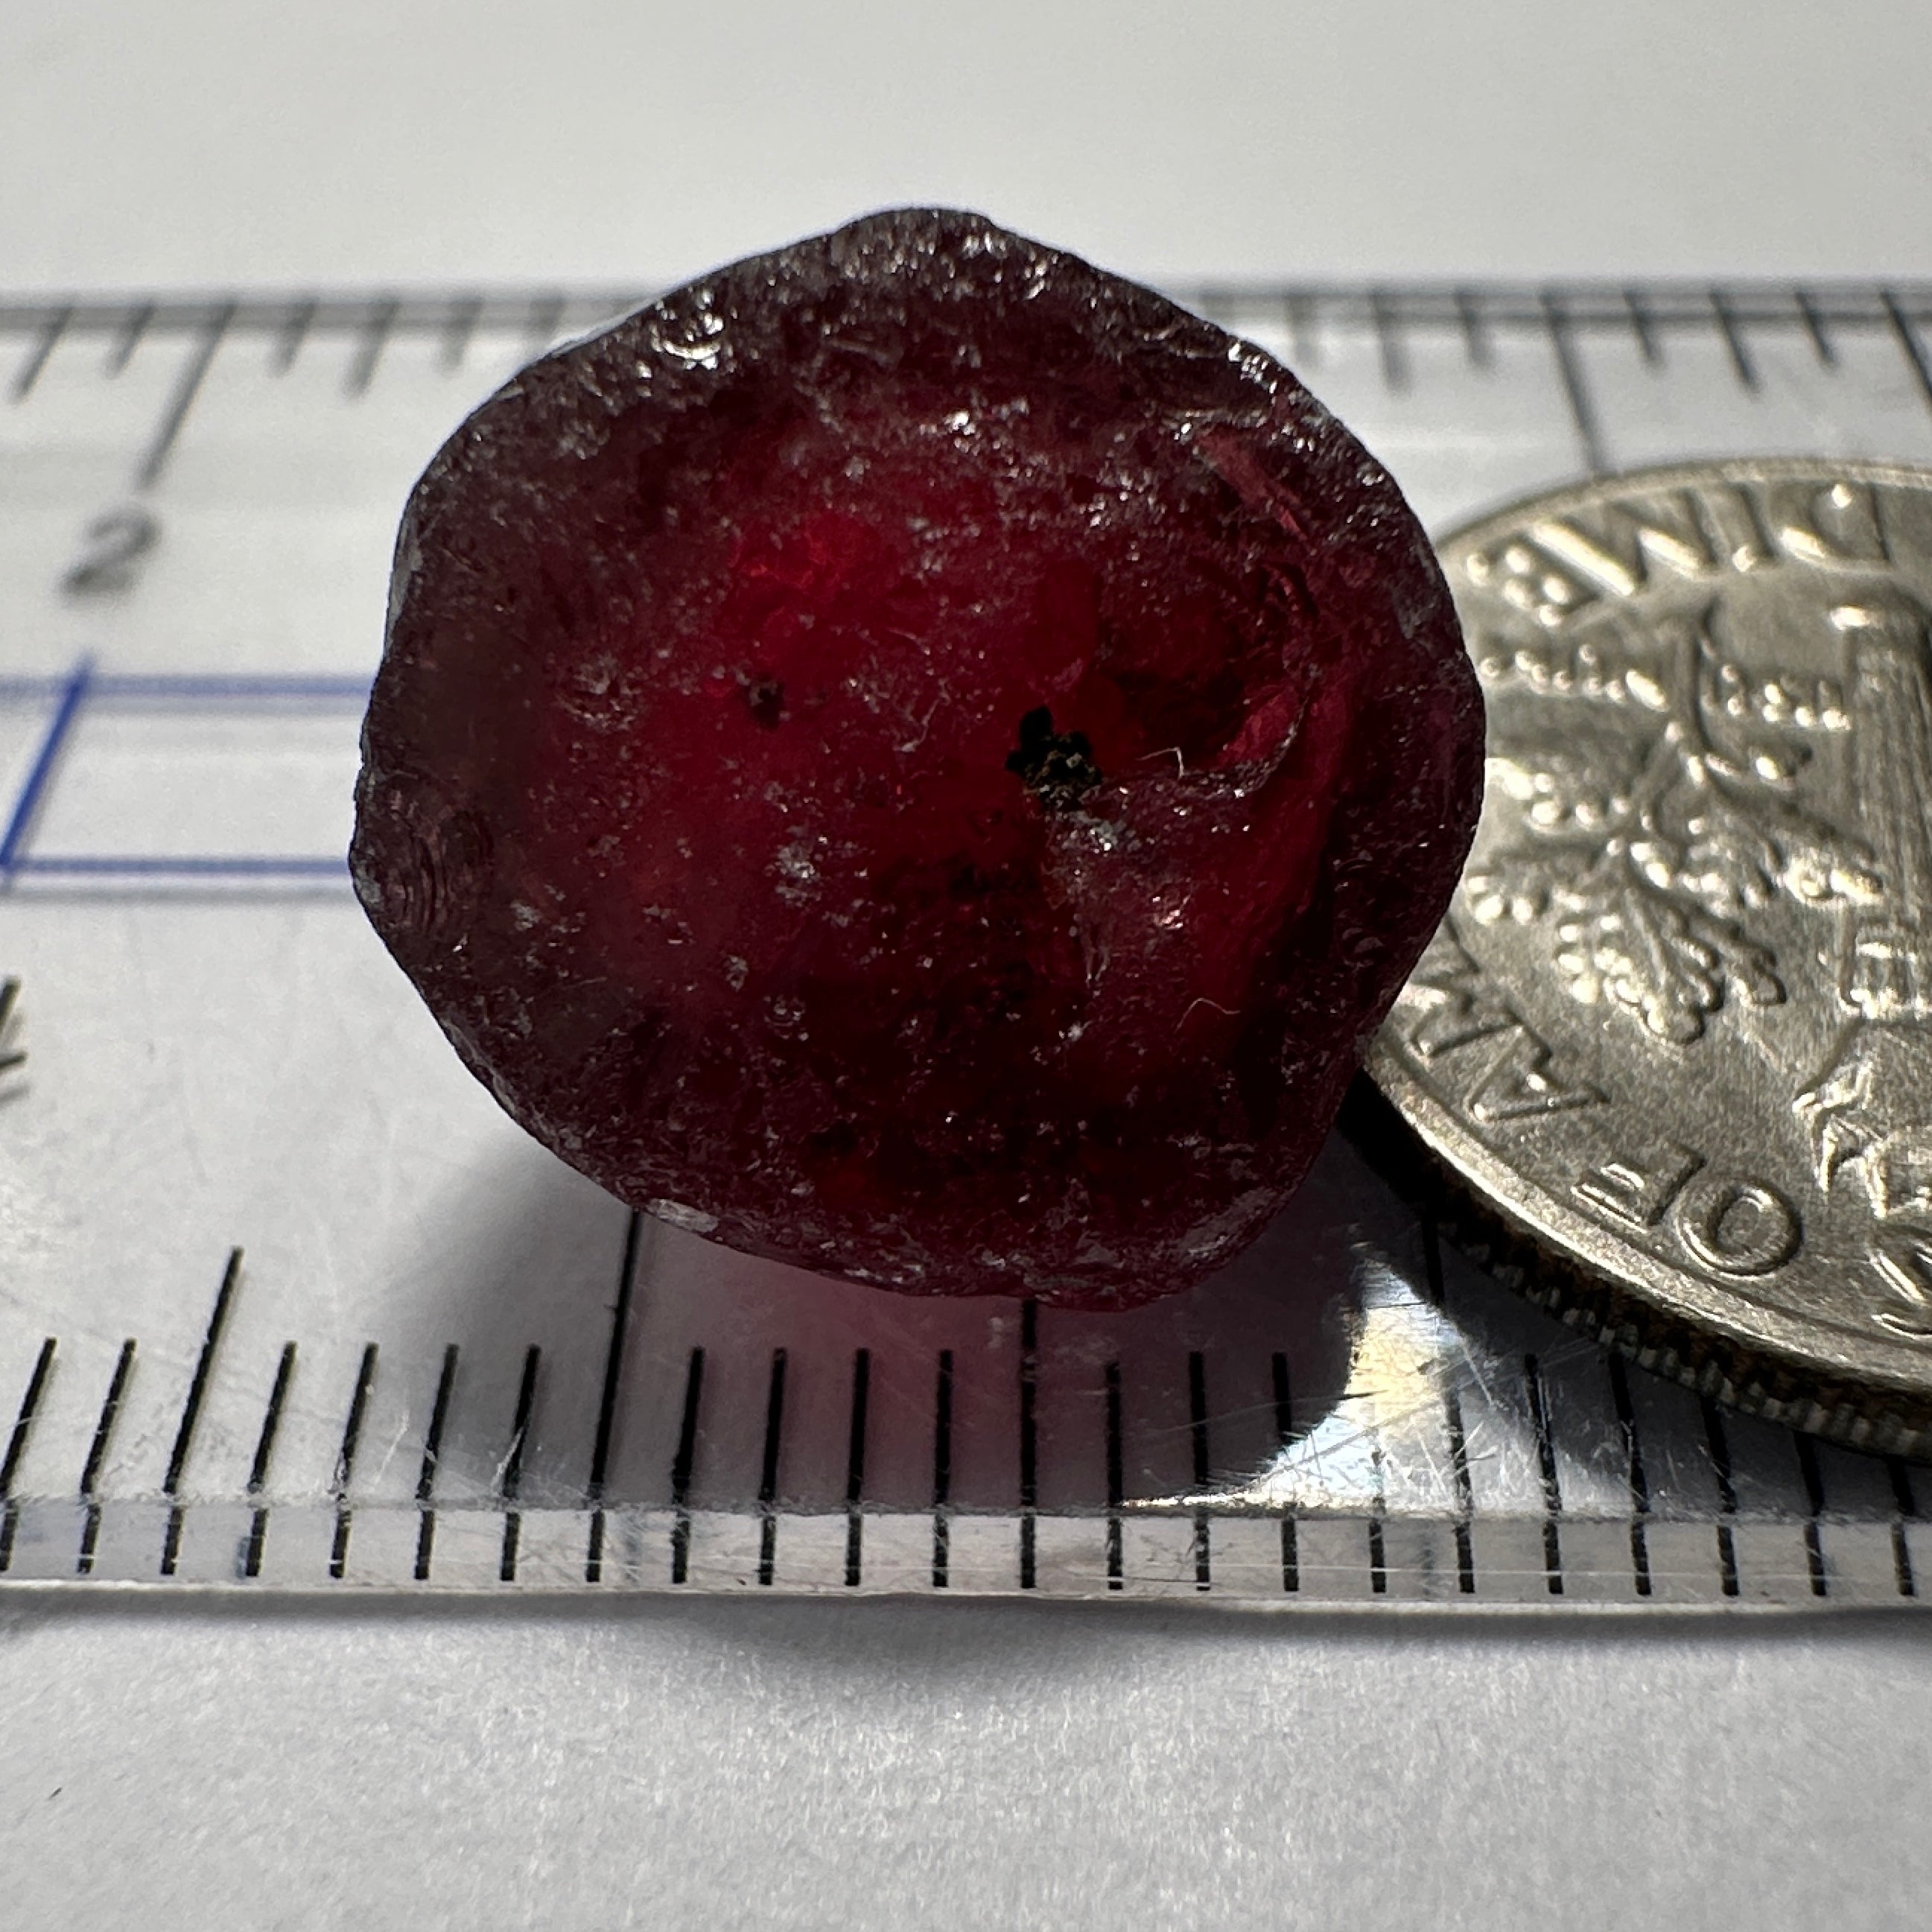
<point>924,755</point>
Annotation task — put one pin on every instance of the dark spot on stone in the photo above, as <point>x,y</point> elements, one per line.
<point>766,701</point>
<point>1057,767</point>
<point>837,1142</point>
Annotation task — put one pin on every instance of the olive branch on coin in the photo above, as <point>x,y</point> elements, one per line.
<point>1651,881</point>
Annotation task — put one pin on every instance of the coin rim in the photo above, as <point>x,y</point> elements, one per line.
<point>1875,1392</point>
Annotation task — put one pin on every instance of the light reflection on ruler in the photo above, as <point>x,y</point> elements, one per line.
<point>443,1362</point>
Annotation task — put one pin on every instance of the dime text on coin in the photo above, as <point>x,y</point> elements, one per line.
<point>1676,1031</point>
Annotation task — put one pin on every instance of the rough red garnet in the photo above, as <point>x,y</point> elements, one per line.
<point>918,758</point>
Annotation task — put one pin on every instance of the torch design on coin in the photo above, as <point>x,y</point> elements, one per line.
<point>1674,1030</point>
<point>1870,1111</point>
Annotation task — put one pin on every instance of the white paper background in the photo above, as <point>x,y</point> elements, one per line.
<point>213,141</point>
<point>721,1764</point>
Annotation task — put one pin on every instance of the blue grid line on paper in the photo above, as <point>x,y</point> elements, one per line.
<point>189,866</point>
<point>105,687</point>
<point>84,686</point>
<point>72,694</point>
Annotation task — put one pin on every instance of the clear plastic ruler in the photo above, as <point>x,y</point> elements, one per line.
<point>287,1304</point>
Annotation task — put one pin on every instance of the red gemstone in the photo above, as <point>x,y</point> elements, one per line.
<point>920,759</point>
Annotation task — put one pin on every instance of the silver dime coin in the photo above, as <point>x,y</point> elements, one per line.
<point>1676,1034</point>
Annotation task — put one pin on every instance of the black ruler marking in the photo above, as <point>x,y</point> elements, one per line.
<point>1389,345</point>
<point>510,1480</point>
<point>97,1456</point>
<point>1909,343</point>
<point>1378,1546</point>
<point>28,372</point>
<point>1284,1434</point>
<point>181,399</point>
<point>546,320</point>
<point>1546,1463</point>
<point>10,995</point>
<point>855,1466</point>
<point>1575,391</point>
<point>942,1472</point>
<point>439,1416</point>
<point>1729,327</point>
<point>1638,1482</point>
<point>16,1448</point>
<point>1436,1289</point>
<point>258,1470</point>
<point>607,1400</point>
<point>134,326</point>
<point>1433,1286</point>
<point>1476,344</point>
<point>1304,345</point>
<point>1906,1506</point>
<point>1813,1479</point>
<point>1643,327</point>
<point>1029,1439</point>
<point>1718,1444</point>
<point>1116,1475</point>
<point>290,337</point>
<point>345,1458</point>
<point>1197,1432</point>
<point>374,338</point>
<point>465,313</point>
<point>1466,1493</point>
<point>683,1459</point>
<point>197,1391</point>
<point>23,1419</point>
<point>768,1471</point>
<point>1813,323</point>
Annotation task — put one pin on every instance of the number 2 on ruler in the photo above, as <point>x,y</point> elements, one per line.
<point>113,545</point>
